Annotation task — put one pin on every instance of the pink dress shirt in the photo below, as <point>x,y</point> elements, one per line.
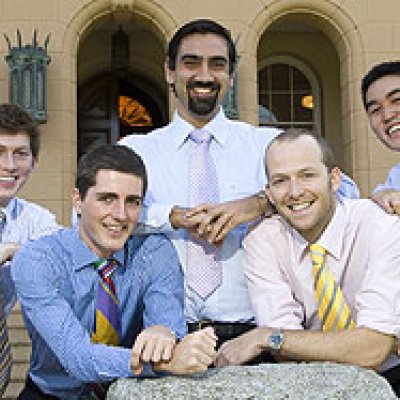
<point>363,253</point>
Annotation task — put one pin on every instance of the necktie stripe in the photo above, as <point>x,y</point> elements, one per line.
<point>327,315</point>
<point>333,311</point>
<point>109,291</point>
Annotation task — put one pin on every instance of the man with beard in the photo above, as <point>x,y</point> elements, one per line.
<point>323,277</point>
<point>380,90</point>
<point>205,221</point>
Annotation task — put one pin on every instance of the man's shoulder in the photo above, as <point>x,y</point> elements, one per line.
<point>270,229</point>
<point>150,244</point>
<point>252,131</point>
<point>31,208</point>
<point>368,215</point>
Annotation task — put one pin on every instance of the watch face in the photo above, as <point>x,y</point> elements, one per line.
<point>275,341</point>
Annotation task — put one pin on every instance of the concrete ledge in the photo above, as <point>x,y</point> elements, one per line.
<point>269,381</point>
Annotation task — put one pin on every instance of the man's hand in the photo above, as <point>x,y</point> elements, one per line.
<point>388,199</point>
<point>243,348</point>
<point>7,251</point>
<point>183,218</point>
<point>219,219</point>
<point>194,353</point>
<point>153,344</point>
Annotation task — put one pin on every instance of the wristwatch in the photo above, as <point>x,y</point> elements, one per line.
<point>275,341</point>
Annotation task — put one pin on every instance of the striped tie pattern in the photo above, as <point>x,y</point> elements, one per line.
<point>107,325</point>
<point>107,322</point>
<point>204,274</point>
<point>333,311</point>
<point>5,348</point>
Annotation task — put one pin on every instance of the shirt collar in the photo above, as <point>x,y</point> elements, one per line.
<point>332,237</point>
<point>218,127</point>
<point>84,257</point>
<point>10,210</point>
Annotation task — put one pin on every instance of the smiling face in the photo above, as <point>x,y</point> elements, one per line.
<point>300,186</point>
<point>201,77</point>
<point>383,109</point>
<point>109,211</point>
<point>16,163</point>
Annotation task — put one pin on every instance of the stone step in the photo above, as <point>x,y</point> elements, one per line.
<point>21,351</point>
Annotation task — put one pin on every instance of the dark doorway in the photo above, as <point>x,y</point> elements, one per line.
<point>111,107</point>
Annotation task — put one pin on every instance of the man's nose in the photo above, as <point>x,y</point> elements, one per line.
<point>7,161</point>
<point>389,112</point>
<point>204,72</point>
<point>295,188</point>
<point>119,210</point>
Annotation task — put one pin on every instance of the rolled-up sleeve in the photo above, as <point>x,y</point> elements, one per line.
<point>56,325</point>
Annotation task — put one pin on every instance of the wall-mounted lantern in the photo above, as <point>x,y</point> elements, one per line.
<point>28,71</point>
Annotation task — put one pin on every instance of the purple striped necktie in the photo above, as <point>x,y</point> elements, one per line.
<point>5,348</point>
<point>204,273</point>
<point>107,321</point>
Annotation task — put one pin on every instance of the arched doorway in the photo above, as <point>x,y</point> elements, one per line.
<point>121,85</point>
<point>111,107</point>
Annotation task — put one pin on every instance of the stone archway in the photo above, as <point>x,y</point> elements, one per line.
<point>342,35</point>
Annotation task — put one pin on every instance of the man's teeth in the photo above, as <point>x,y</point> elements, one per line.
<point>300,207</point>
<point>203,90</point>
<point>7,178</point>
<point>115,228</point>
<point>393,129</point>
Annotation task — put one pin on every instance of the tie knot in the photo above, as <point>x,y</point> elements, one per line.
<point>317,253</point>
<point>106,268</point>
<point>201,136</point>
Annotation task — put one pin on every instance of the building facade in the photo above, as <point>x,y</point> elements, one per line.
<point>301,62</point>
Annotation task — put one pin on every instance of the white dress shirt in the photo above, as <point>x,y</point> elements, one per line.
<point>25,221</point>
<point>238,152</point>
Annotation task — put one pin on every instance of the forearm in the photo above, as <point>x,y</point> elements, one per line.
<point>361,346</point>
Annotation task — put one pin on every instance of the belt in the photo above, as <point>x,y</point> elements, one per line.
<point>222,329</point>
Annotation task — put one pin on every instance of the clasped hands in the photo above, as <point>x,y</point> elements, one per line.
<point>157,345</point>
<point>212,222</point>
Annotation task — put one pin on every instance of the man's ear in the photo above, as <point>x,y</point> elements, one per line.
<point>232,79</point>
<point>168,73</point>
<point>76,201</point>
<point>34,162</point>
<point>335,178</point>
<point>268,193</point>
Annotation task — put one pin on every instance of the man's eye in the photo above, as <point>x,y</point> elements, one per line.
<point>22,154</point>
<point>134,202</point>
<point>277,181</point>
<point>373,110</point>
<point>106,200</point>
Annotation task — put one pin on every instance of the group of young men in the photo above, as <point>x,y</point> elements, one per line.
<point>316,279</point>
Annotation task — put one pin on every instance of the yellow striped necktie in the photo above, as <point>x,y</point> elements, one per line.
<point>333,311</point>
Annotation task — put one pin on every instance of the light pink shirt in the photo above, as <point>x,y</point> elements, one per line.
<point>363,253</point>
